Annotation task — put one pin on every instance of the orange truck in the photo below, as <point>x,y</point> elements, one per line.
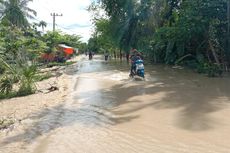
<point>64,52</point>
<point>67,50</point>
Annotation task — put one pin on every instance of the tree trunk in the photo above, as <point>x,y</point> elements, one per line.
<point>213,53</point>
<point>114,53</point>
<point>127,57</point>
<point>228,32</point>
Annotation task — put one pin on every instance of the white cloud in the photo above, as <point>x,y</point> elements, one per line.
<point>75,19</point>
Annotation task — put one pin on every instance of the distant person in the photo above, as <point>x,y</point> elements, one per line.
<point>90,55</point>
<point>106,56</point>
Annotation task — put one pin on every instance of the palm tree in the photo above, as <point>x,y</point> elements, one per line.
<point>16,12</point>
<point>42,24</point>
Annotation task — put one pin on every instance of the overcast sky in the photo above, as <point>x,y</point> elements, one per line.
<point>75,19</point>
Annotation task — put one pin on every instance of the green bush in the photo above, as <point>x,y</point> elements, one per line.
<point>25,90</point>
<point>7,96</point>
<point>211,69</point>
<point>6,85</point>
<point>27,80</point>
<point>2,69</point>
<point>21,72</point>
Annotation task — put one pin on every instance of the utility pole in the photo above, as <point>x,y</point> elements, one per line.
<point>54,19</point>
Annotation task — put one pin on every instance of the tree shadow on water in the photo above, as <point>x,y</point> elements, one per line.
<point>89,114</point>
<point>194,99</point>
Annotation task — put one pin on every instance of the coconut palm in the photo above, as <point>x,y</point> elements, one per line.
<point>42,24</point>
<point>16,12</point>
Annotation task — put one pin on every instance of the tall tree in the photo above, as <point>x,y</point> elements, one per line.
<point>42,24</point>
<point>16,12</point>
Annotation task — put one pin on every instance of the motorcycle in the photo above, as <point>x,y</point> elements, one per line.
<point>90,56</point>
<point>139,69</point>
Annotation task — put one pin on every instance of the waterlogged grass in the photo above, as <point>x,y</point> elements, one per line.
<point>42,77</point>
<point>6,123</point>
<point>52,64</point>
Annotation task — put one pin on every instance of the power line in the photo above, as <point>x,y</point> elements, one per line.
<point>38,19</point>
<point>49,23</point>
<point>65,28</point>
<point>58,25</point>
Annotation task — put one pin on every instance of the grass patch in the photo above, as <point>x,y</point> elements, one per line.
<point>8,96</point>
<point>52,64</point>
<point>14,94</point>
<point>42,77</point>
<point>6,123</point>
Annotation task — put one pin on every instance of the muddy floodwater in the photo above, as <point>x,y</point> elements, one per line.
<point>172,111</point>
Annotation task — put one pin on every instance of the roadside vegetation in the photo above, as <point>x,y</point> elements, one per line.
<point>23,49</point>
<point>193,33</point>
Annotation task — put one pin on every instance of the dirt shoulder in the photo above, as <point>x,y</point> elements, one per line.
<point>51,92</point>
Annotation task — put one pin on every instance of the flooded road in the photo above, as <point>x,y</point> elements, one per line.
<point>172,111</point>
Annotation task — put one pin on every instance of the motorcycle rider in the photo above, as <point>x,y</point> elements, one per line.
<point>106,55</point>
<point>90,55</point>
<point>135,55</point>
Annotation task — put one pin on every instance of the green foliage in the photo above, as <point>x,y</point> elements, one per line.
<point>15,40</point>
<point>42,77</point>
<point>168,30</point>
<point>52,39</point>
<point>212,70</point>
<point>42,24</point>
<point>8,96</point>
<point>27,80</point>
<point>21,74</point>
<point>93,45</point>
<point>15,13</point>
<point>2,69</point>
<point>71,40</point>
<point>6,85</point>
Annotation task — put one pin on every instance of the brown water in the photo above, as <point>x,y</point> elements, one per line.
<point>172,111</point>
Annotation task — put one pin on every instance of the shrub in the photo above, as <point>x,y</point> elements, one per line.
<point>20,72</point>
